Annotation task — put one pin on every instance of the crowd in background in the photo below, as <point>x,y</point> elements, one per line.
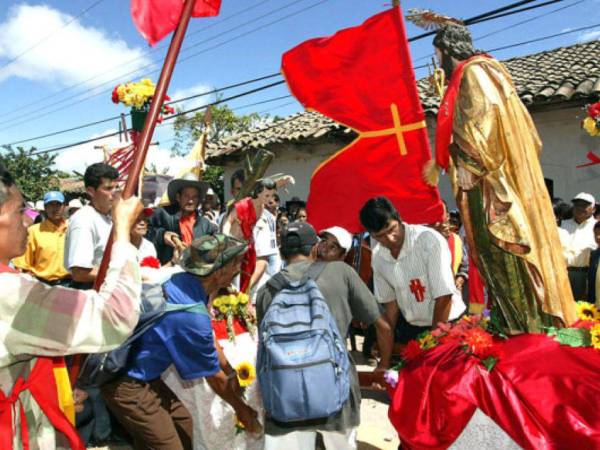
<point>418,276</point>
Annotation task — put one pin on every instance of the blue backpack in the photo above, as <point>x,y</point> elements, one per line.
<point>302,363</point>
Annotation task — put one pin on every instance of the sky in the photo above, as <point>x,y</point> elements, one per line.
<point>59,59</point>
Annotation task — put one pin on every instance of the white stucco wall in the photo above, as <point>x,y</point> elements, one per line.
<point>565,147</point>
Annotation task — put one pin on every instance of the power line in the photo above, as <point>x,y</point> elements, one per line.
<point>518,44</point>
<point>48,36</point>
<point>181,60</point>
<point>198,95</point>
<point>513,25</point>
<point>109,119</point>
<point>171,117</point>
<point>147,66</point>
<point>151,50</point>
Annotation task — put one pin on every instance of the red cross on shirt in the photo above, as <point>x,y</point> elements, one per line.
<point>418,290</point>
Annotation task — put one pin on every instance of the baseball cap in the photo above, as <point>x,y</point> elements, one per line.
<point>53,196</point>
<point>585,197</point>
<point>341,234</point>
<point>210,253</point>
<point>298,234</point>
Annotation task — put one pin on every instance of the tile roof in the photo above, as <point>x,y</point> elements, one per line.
<point>565,74</point>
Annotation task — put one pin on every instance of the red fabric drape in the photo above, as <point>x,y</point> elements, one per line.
<point>246,215</point>
<point>362,77</point>
<point>445,119</point>
<point>154,19</point>
<point>544,395</point>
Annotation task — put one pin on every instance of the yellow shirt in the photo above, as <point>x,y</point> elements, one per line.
<point>44,256</point>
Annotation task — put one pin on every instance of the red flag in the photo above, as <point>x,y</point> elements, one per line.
<point>593,160</point>
<point>154,19</point>
<point>362,77</point>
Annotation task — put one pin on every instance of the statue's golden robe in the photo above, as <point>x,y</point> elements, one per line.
<point>505,205</point>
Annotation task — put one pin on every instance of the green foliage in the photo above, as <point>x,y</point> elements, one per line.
<point>225,122</point>
<point>34,174</point>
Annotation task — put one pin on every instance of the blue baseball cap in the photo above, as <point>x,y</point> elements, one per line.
<point>53,196</point>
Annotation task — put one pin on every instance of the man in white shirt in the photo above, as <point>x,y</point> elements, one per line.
<point>268,259</point>
<point>89,228</point>
<point>412,270</point>
<point>87,235</point>
<point>579,242</point>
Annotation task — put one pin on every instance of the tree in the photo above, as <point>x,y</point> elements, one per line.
<point>34,174</point>
<point>224,123</point>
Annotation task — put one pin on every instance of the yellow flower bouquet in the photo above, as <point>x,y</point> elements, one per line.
<point>137,96</point>
<point>231,307</point>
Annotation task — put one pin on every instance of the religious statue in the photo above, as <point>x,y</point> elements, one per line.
<point>486,139</point>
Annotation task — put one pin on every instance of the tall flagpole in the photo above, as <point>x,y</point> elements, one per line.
<point>143,142</point>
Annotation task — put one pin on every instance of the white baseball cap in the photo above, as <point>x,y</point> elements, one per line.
<point>343,237</point>
<point>585,197</point>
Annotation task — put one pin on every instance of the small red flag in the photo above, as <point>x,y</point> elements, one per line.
<point>154,19</point>
<point>362,77</point>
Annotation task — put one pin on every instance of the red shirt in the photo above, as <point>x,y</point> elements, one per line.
<point>186,225</point>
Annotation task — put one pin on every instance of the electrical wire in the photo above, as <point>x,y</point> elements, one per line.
<point>109,119</point>
<point>170,117</point>
<point>48,36</point>
<point>187,48</point>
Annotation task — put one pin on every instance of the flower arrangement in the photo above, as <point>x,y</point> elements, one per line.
<point>583,333</point>
<point>230,307</point>
<point>137,96</point>
<point>470,333</point>
<point>591,123</point>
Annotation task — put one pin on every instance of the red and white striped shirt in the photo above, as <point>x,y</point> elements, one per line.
<point>421,273</point>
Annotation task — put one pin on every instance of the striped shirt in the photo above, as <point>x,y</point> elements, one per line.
<point>421,273</point>
<point>39,320</point>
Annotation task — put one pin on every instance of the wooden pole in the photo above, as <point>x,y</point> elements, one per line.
<point>144,142</point>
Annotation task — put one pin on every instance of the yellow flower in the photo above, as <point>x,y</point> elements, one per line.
<point>427,342</point>
<point>595,335</point>
<point>223,309</point>
<point>233,300</point>
<point>246,373</point>
<point>589,125</point>
<point>217,302</point>
<point>587,311</point>
<point>243,298</point>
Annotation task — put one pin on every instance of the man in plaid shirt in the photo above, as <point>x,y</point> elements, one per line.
<point>39,323</point>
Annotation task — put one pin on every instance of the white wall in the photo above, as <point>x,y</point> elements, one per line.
<point>565,147</point>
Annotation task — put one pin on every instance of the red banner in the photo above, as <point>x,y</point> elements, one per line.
<point>362,77</point>
<point>154,19</point>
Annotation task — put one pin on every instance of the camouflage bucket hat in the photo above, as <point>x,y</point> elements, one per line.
<point>210,253</point>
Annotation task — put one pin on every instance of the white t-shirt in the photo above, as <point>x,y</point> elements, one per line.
<point>146,249</point>
<point>265,244</point>
<point>579,242</point>
<point>421,273</point>
<point>86,238</point>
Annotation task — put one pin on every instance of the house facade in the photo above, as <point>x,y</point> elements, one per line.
<point>555,86</point>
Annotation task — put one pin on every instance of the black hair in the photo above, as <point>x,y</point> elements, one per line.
<point>596,210</point>
<point>562,210</point>
<point>288,252</point>
<point>276,197</point>
<point>597,226</point>
<point>261,185</point>
<point>7,181</point>
<point>94,174</point>
<point>239,175</point>
<point>456,41</point>
<point>376,213</point>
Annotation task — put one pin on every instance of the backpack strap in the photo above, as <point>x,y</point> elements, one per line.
<point>199,307</point>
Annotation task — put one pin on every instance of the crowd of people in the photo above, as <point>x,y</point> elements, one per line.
<point>197,252</point>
